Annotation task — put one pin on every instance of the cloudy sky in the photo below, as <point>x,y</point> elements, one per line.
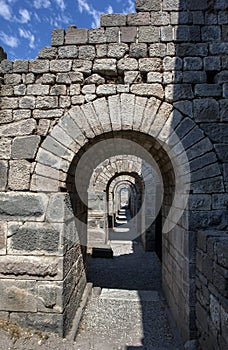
<point>26,25</point>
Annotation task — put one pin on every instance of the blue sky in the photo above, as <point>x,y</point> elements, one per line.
<point>26,25</point>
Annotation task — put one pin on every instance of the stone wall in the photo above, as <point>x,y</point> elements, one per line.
<point>141,76</point>
<point>212,292</point>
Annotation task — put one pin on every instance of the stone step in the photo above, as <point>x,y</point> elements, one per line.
<point>129,295</point>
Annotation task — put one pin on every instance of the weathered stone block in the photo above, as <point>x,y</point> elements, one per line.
<point>222,152</point>
<point>25,147</point>
<point>30,267</point>
<point>9,103</point>
<point>112,36</point>
<point>113,20</point>
<point>173,5</point>
<point>211,33</point>
<point>105,66</point>
<point>3,235</point>
<point>148,90</point>
<point>126,64</point>
<point>22,205</point>
<point>6,66</point>
<point>39,66</point>
<point>5,148</point>
<point>160,18</point>
<point>48,53</point>
<point>212,63</point>
<point>172,63</point>
<point>83,66</point>
<point>76,35</point>
<point>210,90</point>
<point>148,34</point>
<point>154,77</point>
<point>194,77</point>
<point>138,50</point>
<point>132,77</point>
<point>87,52</point>
<point>139,19</point>
<point>50,297</point>
<point>147,5</point>
<point>34,238</point>
<point>157,50</point>
<point>206,110</point>
<point>58,66</point>
<point>175,92</point>
<point>57,37</point>
<point>20,66</point>
<point>70,51</point>
<point>106,89</point>
<point>192,50</point>
<point>18,296</point>
<point>97,36</point>
<point>117,50</point>
<point>128,34</point>
<point>24,127</point>
<point>59,208</point>
<point>37,89</point>
<point>40,321</point>
<point>47,102</point>
<point>19,175</point>
<point>27,102</point>
<point>198,5</point>
<point>193,63</point>
<point>150,64</point>
<point>167,33</point>
<point>3,174</point>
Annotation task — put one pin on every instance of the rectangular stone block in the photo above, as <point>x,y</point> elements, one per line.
<point>148,90</point>
<point>39,66</point>
<point>40,321</point>
<point>97,36</point>
<point>19,175</point>
<point>57,37</point>
<point>105,66</point>
<point>3,235</point>
<point>175,92</point>
<point>18,296</point>
<point>50,298</point>
<point>147,5</point>
<point>139,19</point>
<point>148,34</point>
<point>3,174</point>
<point>31,267</point>
<point>192,49</point>
<point>34,238</point>
<point>25,147</point>
<point>76,35</point>
<point>22,206</point>
<point>24,127</point>
<point>173,5</point>
<point>113,20</point>
<point>128,34</point>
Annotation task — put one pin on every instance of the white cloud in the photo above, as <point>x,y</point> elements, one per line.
<point>83,5</point>
<point>61,4</point>
<point>130,7</point>
<point>9,40</point>
<point>5,10</point>
<point>26,34</point>
<point>42,3</point>
<point>25,16</point>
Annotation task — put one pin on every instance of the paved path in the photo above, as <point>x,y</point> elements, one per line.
<point>126,309</point>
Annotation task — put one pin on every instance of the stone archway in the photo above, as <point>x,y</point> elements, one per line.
<point>175,142</point>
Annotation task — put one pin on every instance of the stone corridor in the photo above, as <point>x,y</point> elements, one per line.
<point>126,309</point>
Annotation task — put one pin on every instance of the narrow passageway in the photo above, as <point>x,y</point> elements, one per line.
<point>126,309</point>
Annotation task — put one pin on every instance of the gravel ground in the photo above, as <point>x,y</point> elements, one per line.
<point>121,322</point>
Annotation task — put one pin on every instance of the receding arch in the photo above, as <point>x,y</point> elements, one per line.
<point>176,143</point>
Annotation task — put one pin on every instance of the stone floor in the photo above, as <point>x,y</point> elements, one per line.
<point>126,309</point>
